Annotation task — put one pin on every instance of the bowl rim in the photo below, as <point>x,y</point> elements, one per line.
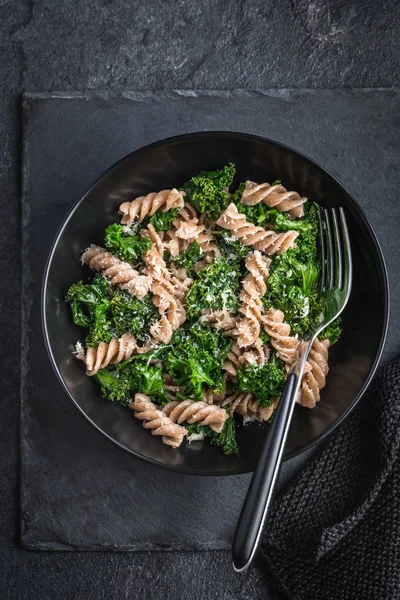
<point>190,137</point>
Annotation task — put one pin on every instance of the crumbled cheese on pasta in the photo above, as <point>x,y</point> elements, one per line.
<point>195,437</point>
<point>131,228</point>
<point>79,349</point>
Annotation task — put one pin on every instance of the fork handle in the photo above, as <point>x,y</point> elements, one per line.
<point>256,506</point>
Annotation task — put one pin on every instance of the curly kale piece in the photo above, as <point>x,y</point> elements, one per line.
<point>217,287</point>
<point>126,247</point>
<point>206,191</point>
<point>292,283</point>
<point>162,221</point>
<point>131,376</point>
<point>232,250</point>
<point>226,440</point>
<point>196,357</point>
<point>189,257</point>
<point>114,385</point>
<point>266,382</point>
<point>333,331</point>
<point>133,315</point>
<point>90,304</point>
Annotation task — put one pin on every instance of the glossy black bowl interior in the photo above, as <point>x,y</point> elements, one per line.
<point>167,164</point>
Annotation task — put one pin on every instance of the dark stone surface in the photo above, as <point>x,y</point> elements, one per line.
<point>78,491</point>
<point>114,45</point>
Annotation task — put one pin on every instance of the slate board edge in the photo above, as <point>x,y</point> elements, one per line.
<point>26,302</point>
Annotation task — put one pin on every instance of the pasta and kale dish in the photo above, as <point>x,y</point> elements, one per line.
<point>198,301</point>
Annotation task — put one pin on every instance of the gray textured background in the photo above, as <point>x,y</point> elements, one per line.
<point>118,44</point>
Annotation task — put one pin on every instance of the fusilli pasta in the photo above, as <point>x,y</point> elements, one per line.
<point>285,344</point>
<point>266,240</point>
<point>253,289</point>
<point>315,372</point>
<point>248,407</point>
<point>156,420</point>
<point>256,355</point>
<point>186,232</point>
<point>117,350</point>
<point>118,272</point>
<point>190,411</point>
<point>144,206</point>
<point>164,291</point>
<point>275,196</point>
<point>220,319</point>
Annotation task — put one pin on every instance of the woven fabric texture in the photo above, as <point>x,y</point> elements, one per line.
<point>335,533</point>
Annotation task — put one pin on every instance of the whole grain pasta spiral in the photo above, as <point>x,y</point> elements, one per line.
<point>256,355</point>
<point>187,231</point>
<point>144,206</point>
<point>248,407</point>
<point>315,372</point>
<point>164,290</point>
<point>114,352</point>
<point>220,319</point>
<point>118,272</point>
<point>285,344</point>
<point>275,196</point>
<point>253,289</point>
<point>191,411</point>
<point>266,240</point>
<point>156,420</point>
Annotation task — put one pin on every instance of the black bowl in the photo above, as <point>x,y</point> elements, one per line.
<point>169,163</point>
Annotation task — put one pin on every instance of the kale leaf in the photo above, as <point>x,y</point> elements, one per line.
<point>226,440</point>
<point>100,329</point>
<point>189,257</point>
<point>196,357</point>
<point>126,247</point>
<point>121,382</point>
<point>90,304</point>
<point>133,315</point>
<point>207,193</point>
<point>162,221</point>
<point>333,331</point>
<point>266,382</point>
<point>292,283</point>
<point>217,287</point>
<point>230,247</point>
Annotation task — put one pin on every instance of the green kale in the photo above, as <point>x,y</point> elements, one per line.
<point>90,308</point>
<point>196,357</point>
<point>266,382</point>
<point>84,297</point>
<point>100,329</point>
<point>217,287</point>
<point>147,379</point>
<point>127,378</point>
<point>207,192</point>
<point>126,247</point>
<point>162,221</point>
<point>132,315</point>
<point>226,440</point>
<point>292,283</point>
<point>231,248</point>
<point>114,385</point>
<point>189,257</point>
<point>332,332</point>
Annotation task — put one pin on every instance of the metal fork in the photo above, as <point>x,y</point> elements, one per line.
<point>334,288</point>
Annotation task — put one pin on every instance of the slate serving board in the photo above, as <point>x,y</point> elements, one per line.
<point>78,491</point>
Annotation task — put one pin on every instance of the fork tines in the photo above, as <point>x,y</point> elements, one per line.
<point>335,250</point>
